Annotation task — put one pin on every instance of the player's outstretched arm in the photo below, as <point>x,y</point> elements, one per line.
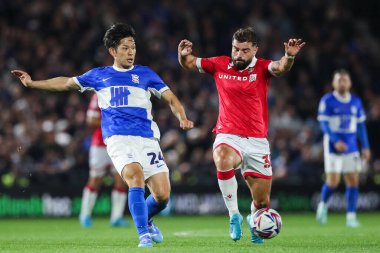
<point>185,57</point>
<point>292,47</point>
<point>53,84</point>
<point>177,109</point>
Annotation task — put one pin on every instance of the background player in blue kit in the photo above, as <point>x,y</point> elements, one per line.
<point>131,135</point>
<point>341,116</point>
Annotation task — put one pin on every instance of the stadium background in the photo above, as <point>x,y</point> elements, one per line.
<point>44,140</point>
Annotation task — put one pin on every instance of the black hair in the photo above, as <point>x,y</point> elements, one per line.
<point>341,72</point>
<point>247,34</point>
<point>117,32</point>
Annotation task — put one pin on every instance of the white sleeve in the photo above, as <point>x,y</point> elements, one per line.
<point>158,93</point>
<point>199,65</point>
<point>81,88</point>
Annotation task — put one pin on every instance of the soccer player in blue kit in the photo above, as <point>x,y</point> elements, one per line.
<point>131,135</point>
<point>341,116</point>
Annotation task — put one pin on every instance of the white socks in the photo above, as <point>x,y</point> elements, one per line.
<point>119,199</point>
<point>88,202</point>
<point>229,187</point>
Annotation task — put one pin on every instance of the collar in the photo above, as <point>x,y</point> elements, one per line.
<point>251,65</point>
<point>122,70</point>
<point>342,99</point>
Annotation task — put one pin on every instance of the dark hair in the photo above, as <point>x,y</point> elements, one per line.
<point>117,32</point>
<point>247,34</point>
<point>341,72</point>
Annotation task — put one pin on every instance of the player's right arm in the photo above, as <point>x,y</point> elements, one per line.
<point>53,84</point>
<point>185,57</point>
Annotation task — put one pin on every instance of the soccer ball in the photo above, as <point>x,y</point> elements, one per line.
<point>266,223</point>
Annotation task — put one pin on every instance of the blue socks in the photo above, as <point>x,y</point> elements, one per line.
<point>352,194</point>
<point>154,207</point>
<point>138,208</point>
<point>326,192</point>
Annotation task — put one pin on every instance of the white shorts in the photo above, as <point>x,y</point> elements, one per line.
<point>342,163</point>
<point>99,161</point>
<point>254,153</point>
<point>126,149</point>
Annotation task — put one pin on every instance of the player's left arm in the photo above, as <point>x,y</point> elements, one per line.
<point>292,47</point>
<point>177,109</point>
<point>363,137</point>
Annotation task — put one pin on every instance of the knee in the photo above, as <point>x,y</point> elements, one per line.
<point>162,198</point>
<point>223,161</point>
<point>134,178</point>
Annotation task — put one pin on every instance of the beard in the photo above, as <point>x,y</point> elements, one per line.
<point>240,64</point>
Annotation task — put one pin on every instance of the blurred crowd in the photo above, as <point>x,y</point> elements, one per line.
<point>43,136</point>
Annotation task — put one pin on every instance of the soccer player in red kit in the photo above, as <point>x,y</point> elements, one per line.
<point>99,163</point>
<point>241,130</point>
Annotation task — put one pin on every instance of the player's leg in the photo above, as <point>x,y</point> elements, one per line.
<point>352,194</point>
<point>333,169</point>
<point>90,192</point>
<point>89,196</point>
<point>118,200</point>
<point>159,186</point>
<point>328,188</point>
<point>125,152</point>
<point>134,177</point>
<point>260,192</point>
<point>226,159</point>
<point>351,169</point>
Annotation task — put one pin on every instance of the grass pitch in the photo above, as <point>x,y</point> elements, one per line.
<point>300,233</point>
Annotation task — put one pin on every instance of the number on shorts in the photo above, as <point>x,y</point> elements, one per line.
<point>266,161</point>
<point>155,158</point>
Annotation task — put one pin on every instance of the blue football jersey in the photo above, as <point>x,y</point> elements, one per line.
<point>124,99</point>
<point>342,116</point>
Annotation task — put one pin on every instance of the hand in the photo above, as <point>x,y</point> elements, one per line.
<point>23,76</point>
<point>293,46</point>
<point>185,48</point>
<point>366,155</point>
<point>186,124</point>
<point>340,146</point>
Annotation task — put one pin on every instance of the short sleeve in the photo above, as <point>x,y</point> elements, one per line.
<point>156,85</point>
<point>206,65</point>
<point>323,110</point>
<point>86,81</point>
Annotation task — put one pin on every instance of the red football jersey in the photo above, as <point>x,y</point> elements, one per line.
<point>243,107</point>
<point>94,111</point>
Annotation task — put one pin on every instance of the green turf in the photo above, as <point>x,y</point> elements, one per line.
<point>208,234</point>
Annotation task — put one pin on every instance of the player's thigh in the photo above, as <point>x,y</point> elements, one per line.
<point>351,163</point>
<point>260,188</point>
<point>152,159</point>
<point>98,161</point>
<point>124,150</point>
<point>256,161</point>
<point>333,163</point>
<point>159,186</point>
<point>227,152</point>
